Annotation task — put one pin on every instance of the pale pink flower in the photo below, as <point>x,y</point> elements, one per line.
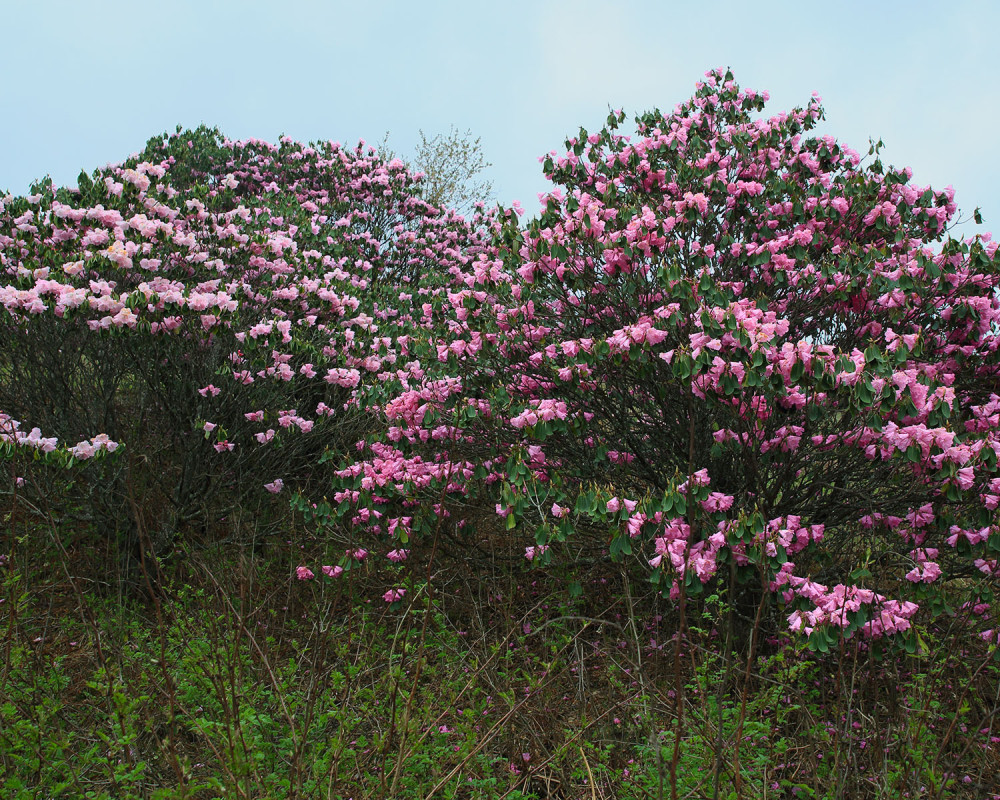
<point>531,553</point>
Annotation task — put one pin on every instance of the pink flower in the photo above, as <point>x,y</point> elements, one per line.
<point>332,572</point>
<point>83,450</point>
<point>531,552</point>
<point>275,486</point>
<point>927,572</point>
<point>717,501</point>
<point>700,478</point>
<point>304,573</point>
<point>393,595</point>
<point>535,454</point>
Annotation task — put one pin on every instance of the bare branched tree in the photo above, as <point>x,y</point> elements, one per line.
<point>454,166</point>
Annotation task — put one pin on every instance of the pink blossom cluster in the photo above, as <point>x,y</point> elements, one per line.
<point>834,607</point>
<point>11,434</point>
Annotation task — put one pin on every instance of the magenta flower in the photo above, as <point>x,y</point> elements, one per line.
<point>531,553</point>
<point>304,573</point>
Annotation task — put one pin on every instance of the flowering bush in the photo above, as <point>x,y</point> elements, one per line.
<point>216,306</point>
<point>722,342</point>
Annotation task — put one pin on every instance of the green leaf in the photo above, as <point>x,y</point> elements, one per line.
<point>620,546</point>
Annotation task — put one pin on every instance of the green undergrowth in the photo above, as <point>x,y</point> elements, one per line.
<point>234,679</point>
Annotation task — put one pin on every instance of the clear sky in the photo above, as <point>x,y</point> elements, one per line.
<point>87,82</point>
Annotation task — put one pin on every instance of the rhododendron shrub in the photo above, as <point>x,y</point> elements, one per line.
<point>726,347</point>
<point>724,342</point>
<point>217,307</point>
<point>736,342</point>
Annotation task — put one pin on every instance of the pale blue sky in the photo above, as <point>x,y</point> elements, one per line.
<point>84,83</point>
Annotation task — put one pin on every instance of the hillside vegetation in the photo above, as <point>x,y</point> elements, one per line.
<point>686,487</point>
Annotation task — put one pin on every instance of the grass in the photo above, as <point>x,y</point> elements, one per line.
<point>233,679</point>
